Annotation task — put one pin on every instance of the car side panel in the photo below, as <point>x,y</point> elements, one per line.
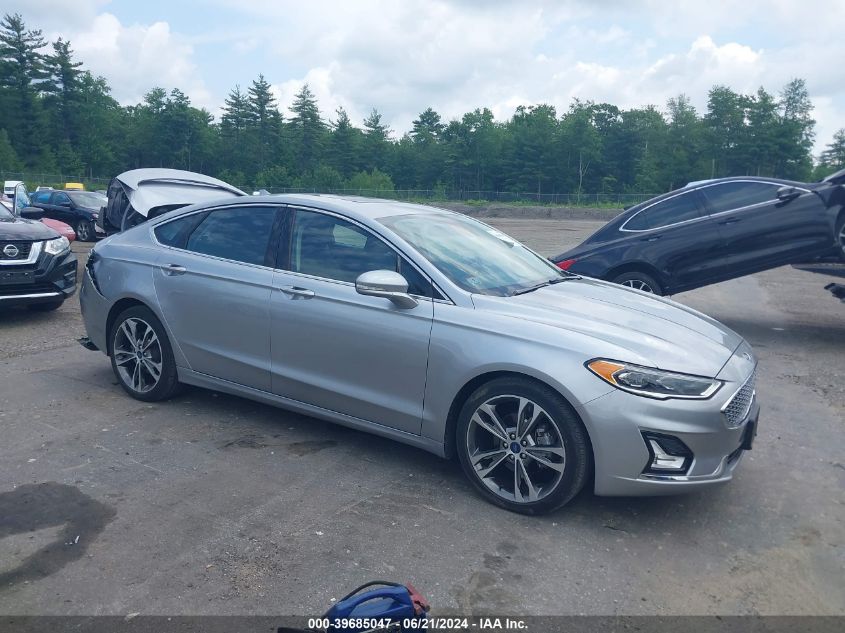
<point>219,312</point>
<point>468,343</point>
<point>769,235</point>
<point>683,256</point>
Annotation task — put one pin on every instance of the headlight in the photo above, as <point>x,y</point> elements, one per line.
<point>56,246</point>
<point>653,383</point>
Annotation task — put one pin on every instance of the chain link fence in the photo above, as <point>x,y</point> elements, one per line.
<point>608,200</point>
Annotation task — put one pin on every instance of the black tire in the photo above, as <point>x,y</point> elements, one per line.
<point>45,307</point>
<point>85,231</point>
<point>640,281</point>
<point>167,384</point>
<point>570,433</point>
<point>840,237</point>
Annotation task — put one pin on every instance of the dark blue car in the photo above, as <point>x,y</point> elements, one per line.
<point>712,231</point>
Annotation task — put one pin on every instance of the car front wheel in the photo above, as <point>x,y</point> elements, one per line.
<point>84,230</point>
<point>141,356</point>
<point>522,446</point>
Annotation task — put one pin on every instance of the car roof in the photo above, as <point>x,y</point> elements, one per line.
<point>357,207</point>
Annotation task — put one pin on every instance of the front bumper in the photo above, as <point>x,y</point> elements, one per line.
<point>52,279</point>
<point>622,456</point>
<point>618,421</point>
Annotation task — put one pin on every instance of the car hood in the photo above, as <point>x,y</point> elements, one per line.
<point>25,230</point>
<point>654,331</point>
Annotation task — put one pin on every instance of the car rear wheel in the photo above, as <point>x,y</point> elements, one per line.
<point>84,231</point>
<point>141,356</point>
<point>840,236</point>
<point>522,446</point>
<point>639,281</point>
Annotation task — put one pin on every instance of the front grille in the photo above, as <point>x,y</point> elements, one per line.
<point>8,250</point>
<point>737,407</point>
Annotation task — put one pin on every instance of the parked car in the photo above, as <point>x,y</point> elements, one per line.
<point>59,227</point>
<point>74,186</point>
<point>137,195</point>
<point>80,209</point>
<point>712,231</point>
<point>433,329</point>
<point>43,188</point>
<point>37,268</point>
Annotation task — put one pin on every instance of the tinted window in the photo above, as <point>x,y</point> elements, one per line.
<point>733,195</point>
<point>40,196</point>
<point>325,246</point>
<point>241,234</point>
<point>61,198</point>
<point>671,211</point>
<point>175,233</point>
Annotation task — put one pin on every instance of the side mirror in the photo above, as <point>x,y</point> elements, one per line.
<point>785,194</point>
<point>31,213</point>
<point>387,284</point>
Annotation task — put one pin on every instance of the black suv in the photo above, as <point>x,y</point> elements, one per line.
<point>37,267</point>
<point>714,230</point>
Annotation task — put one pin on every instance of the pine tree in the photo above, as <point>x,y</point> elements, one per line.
<point>266,120</point>
<point>308,130</point>
<point>376,142</point>
<point>23,73</point>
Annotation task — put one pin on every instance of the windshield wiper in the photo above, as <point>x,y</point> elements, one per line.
<point>548,282</point>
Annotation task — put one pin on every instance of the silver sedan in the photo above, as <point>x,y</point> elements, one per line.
<point>433,329</point>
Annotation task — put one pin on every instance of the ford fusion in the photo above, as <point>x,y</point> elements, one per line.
<point>430,328</point>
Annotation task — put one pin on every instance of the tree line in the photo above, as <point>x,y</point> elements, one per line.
<point>56,117</point>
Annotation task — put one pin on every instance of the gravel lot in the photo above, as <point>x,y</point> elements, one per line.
<point>209,504</point>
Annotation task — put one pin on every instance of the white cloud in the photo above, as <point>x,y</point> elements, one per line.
<point>138,57</point>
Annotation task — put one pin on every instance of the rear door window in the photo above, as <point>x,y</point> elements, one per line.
<point>735,195</point>
<point>665,213</point>
<point>241,234</point>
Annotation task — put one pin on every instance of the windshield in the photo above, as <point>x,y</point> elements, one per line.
<point>5,210</point>
<point>88,199</point>
<point>474,256</point>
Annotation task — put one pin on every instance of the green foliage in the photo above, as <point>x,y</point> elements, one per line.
<point>57,117</point>
<point>371,181</point>
<point>9,160</point>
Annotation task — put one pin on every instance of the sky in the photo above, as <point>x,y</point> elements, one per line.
<point>403,56</point>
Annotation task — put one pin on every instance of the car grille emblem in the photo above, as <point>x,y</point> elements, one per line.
<point>11,251</point>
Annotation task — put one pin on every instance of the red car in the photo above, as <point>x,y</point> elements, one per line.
<point>59,227</point>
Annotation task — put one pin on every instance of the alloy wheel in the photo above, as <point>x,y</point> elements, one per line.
<point>83,231</point>
<point>841,238</point>
<point>638,284</point>
<point>516,448</point>
<point>137,354</point>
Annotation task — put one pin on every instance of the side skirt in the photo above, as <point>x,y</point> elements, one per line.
<point>190,377</point>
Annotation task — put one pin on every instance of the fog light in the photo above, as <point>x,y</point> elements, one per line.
<point>667,455</point>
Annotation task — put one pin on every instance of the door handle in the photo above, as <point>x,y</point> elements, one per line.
<point>296,291</point>
<point>731,221</point>
<point>173,269</point>
<point>652,238</point>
